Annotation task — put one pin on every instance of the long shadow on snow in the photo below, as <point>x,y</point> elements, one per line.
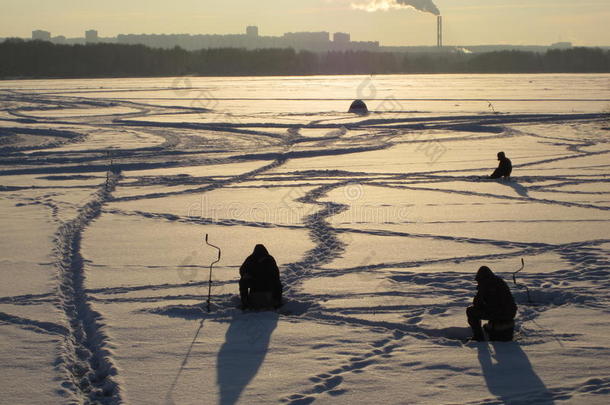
<point>521,190</point>
<point>511,377</point>
<point>244,350</point>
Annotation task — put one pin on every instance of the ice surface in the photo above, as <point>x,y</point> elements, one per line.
<point>378,224</point>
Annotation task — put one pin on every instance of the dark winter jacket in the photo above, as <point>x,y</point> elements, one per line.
<point>259,273</point>
<point>493,296</point>
<point>504,169</point>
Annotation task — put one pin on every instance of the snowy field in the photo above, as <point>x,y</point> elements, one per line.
<point>378,224</point>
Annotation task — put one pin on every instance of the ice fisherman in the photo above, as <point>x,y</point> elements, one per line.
<point>260,285</point>
<point>493,302</point>
<point>505,167</point>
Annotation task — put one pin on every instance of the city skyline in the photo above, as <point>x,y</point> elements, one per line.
<point>320,41</point>
<point>249,39</point>
<point>468,22</point>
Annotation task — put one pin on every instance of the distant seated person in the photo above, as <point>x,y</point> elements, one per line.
<point>493,302</point>
<point>504,168</point>
<point>260,286</point>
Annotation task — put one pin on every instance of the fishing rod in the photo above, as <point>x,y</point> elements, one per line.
<point>529,299</point>
<point>211,265</point>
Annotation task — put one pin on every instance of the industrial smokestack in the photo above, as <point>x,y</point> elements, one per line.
<point>426,6</point>
<point>439,31</point>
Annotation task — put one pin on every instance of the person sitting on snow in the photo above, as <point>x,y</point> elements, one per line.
<point>493,302</point>
<point>260,285</point>
<point>505,167</point>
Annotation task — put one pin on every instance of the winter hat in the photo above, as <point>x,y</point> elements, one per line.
<point>484,273</point>
<point>260,250</point>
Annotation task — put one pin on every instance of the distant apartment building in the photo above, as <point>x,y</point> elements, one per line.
<point>91,36</point>
<point>311,41</point>
<point>322,36</point>
<point>252,31</point>
<point>40,35</point>
<point>341,38</point>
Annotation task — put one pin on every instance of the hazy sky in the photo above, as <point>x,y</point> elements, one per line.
<point>466,22</point>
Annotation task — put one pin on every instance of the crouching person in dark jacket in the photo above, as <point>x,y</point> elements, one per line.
<point>493,302</point>
<point>504,169</point>
<point>260,286</point>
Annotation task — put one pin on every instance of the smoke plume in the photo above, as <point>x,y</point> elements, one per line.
<point>426,6</point>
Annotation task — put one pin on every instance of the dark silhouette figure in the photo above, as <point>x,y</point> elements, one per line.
<point>493,302</point>
<point>260,285</point>
<point>505,167</point>
<point>358,107</point>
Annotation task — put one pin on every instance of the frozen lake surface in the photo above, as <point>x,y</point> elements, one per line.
<point>378,223</point>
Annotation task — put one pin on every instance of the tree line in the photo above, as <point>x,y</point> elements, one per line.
<point>39,59</point>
